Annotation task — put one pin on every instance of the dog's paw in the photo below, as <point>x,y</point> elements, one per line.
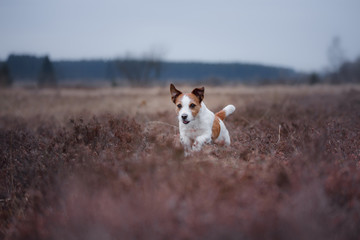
<point>187,153</point>
<point>196,147</point>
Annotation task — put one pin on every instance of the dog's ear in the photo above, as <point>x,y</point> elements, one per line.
<point>199,93</point>
<point>174,92</point>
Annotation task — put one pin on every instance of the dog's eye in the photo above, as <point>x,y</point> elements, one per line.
<point>192,105</point>
<point>179,105</point>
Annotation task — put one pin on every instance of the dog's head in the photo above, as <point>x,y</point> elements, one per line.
<point>187,105</point>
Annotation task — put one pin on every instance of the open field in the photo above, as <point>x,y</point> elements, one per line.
<point>107,164</point>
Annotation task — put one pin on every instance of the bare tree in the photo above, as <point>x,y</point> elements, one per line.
<point>141,71</point>
<point>335,54</point>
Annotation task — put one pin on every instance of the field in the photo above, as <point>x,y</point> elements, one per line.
<point>107,164</point>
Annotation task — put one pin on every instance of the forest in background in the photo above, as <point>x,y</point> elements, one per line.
<point>28,67</point>
<point>151,70</point>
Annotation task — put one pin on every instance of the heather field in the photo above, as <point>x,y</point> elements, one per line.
<point>107,164</point>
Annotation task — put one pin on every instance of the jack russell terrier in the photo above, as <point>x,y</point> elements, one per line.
<point>197,124</point>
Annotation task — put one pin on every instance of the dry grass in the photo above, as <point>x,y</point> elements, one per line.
<point>107,164</point>
<point>61,104</point>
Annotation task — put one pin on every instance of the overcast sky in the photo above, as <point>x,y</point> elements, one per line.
<point>291,33</point>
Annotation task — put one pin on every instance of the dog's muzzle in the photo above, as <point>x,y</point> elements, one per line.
<point>184,117</point>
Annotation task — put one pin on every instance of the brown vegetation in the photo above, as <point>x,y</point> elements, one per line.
<point>107,164</point>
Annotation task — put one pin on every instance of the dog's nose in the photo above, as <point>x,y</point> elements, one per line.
<point>184,116</point>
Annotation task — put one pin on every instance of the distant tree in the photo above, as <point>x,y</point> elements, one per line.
<point>336,55</point>
<point>5,76</point>
<point>314,78</point>
<point>350,71</point>
<point>47,76</point>
<point>111,73</point>
<point>140,71</point>
<point>24,67</point>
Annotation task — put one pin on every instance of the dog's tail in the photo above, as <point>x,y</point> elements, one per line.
<point>229,109</point>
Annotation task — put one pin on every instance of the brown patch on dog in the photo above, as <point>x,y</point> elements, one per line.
<point>221,114</point>
<point>199,93</point>
<point>215,129</point>
<point>196,101</point>
<point>174,93</point>
<point>177,101</point>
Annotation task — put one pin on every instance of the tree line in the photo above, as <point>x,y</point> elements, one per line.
<point>152,70</point>
<point>45,73</point>
<point>145,70</point>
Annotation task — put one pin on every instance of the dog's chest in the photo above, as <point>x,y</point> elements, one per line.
<point>197,128</point>
<point>193,132</point>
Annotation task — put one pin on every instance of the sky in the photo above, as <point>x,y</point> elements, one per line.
<point>287,33</point>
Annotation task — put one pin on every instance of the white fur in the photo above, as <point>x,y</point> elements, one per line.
<point>199,130</point>
<point>229,109</point>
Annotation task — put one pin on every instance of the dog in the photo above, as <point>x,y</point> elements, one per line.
<point>197,124</point>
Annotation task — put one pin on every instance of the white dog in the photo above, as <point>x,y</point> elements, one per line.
<point>197,124</point>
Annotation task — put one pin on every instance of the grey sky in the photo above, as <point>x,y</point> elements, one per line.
<point>293,33</point>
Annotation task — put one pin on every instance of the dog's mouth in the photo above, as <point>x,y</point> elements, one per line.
<point>185,121</point>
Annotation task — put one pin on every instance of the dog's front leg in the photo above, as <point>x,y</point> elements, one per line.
<point>186,142</point>
<point>200,141</point>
